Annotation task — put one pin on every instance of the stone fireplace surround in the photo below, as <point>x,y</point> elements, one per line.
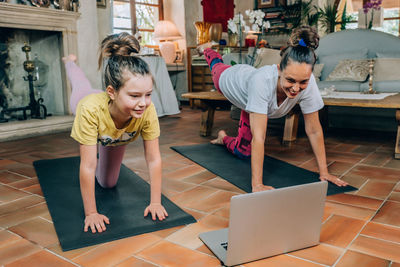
<point>36,18</point>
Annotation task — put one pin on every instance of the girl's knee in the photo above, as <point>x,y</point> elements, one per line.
<point>107,183</point>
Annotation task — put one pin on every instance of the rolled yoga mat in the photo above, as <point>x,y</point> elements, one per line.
<point>218,160</point>
<point>124,205</point>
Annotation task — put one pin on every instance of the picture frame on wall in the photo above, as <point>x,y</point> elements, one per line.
<point>265,3</point>
<point>101,3</point>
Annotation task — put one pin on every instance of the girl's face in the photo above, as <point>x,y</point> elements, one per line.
<point>132,99</point>
<point>294,78</point>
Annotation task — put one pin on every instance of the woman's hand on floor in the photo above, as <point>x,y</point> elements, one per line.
<point>96,221</point>
<point>156,210</point>
<point>261,187</point>
<point>333,179</point>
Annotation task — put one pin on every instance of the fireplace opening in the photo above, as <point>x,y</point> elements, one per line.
<point>46,48</point>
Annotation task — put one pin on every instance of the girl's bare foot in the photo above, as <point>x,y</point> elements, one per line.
<point>220,138</point>
<point>70,57</point>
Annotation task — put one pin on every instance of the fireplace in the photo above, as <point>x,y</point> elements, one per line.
<point>51,34</point>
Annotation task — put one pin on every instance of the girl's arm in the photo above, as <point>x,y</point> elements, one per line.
<point>258,126</point>
<point>153,160</point>
<point>316,137</point>
<point>86,177</point>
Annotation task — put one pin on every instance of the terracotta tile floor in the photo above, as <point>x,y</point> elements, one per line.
<point>359,229</point>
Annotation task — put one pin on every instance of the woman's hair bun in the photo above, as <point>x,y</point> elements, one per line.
<point>307,34</point>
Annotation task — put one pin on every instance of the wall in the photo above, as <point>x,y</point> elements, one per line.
<point>104,20</point>
<point>88,41</point>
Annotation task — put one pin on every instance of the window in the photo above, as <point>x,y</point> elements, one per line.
<point>391,15</point>
<point>137,16</point>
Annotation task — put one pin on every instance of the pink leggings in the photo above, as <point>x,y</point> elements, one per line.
<point>110,157</point>
<point>241,144</point>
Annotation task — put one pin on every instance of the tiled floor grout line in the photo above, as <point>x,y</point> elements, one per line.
<point>373,237</point>
<point>362,228</point>
<point>61,257</point>
<point>300,258</point>
<point>351,205</point>
<point>11,201</point>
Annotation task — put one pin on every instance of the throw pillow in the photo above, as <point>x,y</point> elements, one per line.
<point>350,70</point>
<point>386,69</point>
<point>317,71</point>
<point>332,60</point>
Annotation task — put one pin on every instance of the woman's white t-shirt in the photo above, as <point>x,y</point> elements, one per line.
<point>254,90</point>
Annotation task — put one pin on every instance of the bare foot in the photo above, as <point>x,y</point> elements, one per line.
<point>220,138</point>
<point>200,49</point>
<point>70,57</point>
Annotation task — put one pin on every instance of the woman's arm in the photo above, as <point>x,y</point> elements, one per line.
<point>86,177</point>
<point>316,137</point>
<point>258,126</point>
<point>153,160</point>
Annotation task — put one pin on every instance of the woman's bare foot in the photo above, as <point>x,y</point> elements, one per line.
<point>70,57</point>
<point>220,138</point>
<point>200,48</point>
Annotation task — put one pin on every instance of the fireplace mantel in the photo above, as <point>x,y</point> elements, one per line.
<point>38,18</point>
<point>45,19</point>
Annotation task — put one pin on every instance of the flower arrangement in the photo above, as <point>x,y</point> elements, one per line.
<point>233,24</point>
<point>371,5</point>
<point>256,18</point>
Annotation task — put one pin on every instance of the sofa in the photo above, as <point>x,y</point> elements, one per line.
<point>344,57</point>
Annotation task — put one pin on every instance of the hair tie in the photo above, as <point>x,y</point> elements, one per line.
<point>302,43</point>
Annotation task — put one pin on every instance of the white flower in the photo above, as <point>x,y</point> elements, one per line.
<point>256,18</point>
<point>254,27</point>
<point>233,24</point>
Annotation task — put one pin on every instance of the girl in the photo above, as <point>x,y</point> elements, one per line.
<point>271,92</point>
<point>114,118</point>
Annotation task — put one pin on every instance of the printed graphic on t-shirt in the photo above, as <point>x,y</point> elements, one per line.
<point>106,140</point>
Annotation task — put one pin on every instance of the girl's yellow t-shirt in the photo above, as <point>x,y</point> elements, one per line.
<point>93,124</point>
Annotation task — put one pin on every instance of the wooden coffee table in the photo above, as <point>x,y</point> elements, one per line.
<point>391,102</point>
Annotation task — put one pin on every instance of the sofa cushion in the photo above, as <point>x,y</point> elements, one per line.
<point>382,87</point>
<point>386,69</point>
<point>317,71</point>
<point>388,54</point>
<point>331,61</point>
<point>350,70</point>
<point>267,56</point>
<point>345,86</point>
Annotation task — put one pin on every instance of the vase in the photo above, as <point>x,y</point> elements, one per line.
<point>216,32</point>
<point>232,39</point>
<point>203,32</point>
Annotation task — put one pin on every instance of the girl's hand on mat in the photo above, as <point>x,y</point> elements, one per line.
<point>96,221</point>
<point>333,179</point>
<point>261,187</point>
<point>156,210</point>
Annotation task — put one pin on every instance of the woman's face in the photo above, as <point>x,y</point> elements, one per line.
<point>294,78</point>
<point>132,99</point>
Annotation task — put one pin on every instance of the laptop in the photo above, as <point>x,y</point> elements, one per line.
<point>267,223</point>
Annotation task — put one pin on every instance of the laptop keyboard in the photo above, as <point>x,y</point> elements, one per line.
<point>225,245</point>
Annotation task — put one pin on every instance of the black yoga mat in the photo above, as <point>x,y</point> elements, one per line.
<point>123,205</point>
<point>237,171</point>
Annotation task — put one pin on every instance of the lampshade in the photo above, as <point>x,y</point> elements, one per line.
<point>166,30</point>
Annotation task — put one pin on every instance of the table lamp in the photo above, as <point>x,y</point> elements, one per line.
<point>166,31</point>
